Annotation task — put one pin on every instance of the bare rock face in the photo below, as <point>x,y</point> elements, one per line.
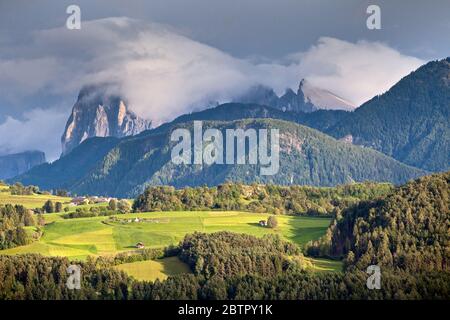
<point>99,114</point>
<point>322,99</point>
<point>307,99</point>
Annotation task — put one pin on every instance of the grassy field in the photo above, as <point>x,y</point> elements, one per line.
<point>324,265</point>
<point>151,270</point>
<point>31,201</point>
<point>78,238</point>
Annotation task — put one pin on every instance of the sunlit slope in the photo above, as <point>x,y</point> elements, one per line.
<point>78,238</point>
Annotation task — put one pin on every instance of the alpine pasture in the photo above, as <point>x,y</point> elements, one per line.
<point>79,238</point>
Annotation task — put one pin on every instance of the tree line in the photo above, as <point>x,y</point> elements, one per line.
<point>33,276</point>
<point>228,254</point>
<point>298,200</point>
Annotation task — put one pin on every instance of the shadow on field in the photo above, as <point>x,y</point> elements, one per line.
<point>255,224</point>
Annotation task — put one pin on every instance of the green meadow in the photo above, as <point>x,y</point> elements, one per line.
<point>151,270</point>
<point>78,238</point>
<point>82,237</point>
<point>28,201</point>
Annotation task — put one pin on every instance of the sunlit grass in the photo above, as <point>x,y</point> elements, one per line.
<point>28,201</point>
<point>78,238</point>
<point>151,270</point>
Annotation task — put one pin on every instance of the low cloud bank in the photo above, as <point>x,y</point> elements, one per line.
<point>164,74</point>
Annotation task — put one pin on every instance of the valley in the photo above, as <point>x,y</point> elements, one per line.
<point>107,236</point>
<point>96,236</point>
<point>254,152</point>
<point>174,236</point>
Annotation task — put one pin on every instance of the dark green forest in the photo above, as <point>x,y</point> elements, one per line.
<point>36,277</point>
<point>409,229</point>
<point>227,254</point>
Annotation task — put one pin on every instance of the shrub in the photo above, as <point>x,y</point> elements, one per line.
<point>49,207</point>
<point>112,204</point>
<point>124,206</point>
<point>272,222</point>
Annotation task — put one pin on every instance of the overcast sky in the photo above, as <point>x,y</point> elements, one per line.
<point>270,28</point>
<point>168,55</point>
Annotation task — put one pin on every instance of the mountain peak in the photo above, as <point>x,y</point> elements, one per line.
<point>97,113</point>
<point>409,121</point>
<point>302,83</point>
<point>307,99</point>
<point>321,98</point>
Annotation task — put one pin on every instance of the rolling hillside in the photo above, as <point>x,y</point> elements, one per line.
<point>82,237</point>
<point>125,167</point>
<point>410,122</point>
<point>408,229</point>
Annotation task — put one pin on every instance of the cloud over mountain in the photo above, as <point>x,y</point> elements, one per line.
<point>35,131</point>
<point>163,73</point>
<point>357,71</point>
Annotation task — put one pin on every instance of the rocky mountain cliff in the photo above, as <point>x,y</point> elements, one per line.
<point>307,99</point>
<point>99,114</point>
<point>12,165</point>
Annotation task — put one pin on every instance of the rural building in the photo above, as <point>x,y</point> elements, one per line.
<point>140,245</point>
<point>101,199</point>
<point>263,223</point>
<point>78,200</point>
<point>82,200</point>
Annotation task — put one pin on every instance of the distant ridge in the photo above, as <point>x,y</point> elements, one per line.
<point>12,165</point>
<point>124,167</point>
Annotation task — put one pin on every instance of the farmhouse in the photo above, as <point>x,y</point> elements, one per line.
<point>78,200</point>
<point>140,245</point>
<point>101,199</point>
<point>84,200</point>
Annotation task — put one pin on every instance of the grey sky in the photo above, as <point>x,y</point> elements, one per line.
<point>189,51</point>
<point>270,28</point>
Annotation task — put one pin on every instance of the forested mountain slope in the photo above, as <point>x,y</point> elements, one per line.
<point>407,230</point>
<point>410,122</point>
<point>126,167</point>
